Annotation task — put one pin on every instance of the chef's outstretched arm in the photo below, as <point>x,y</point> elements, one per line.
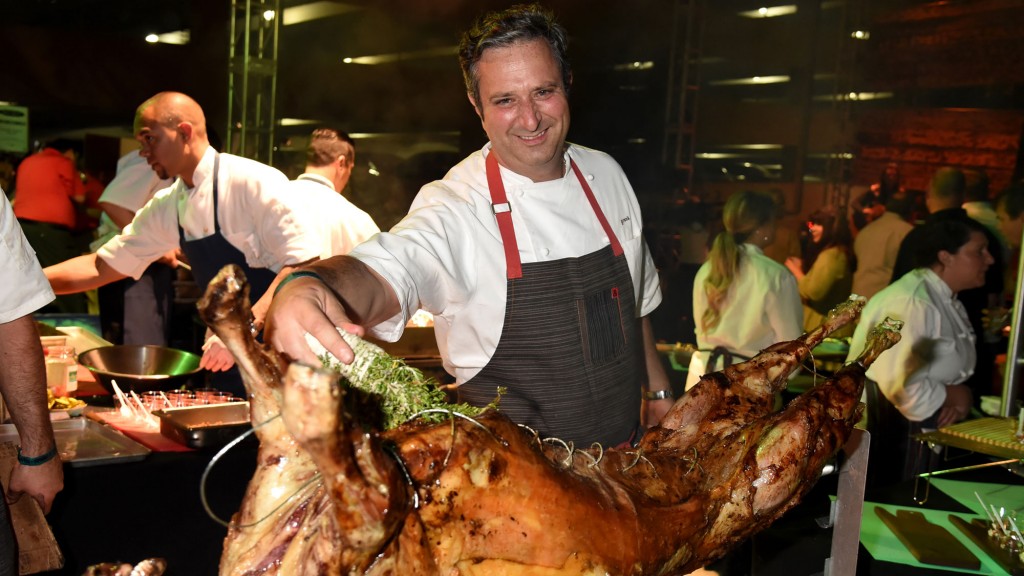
<point>81,273</point>
<point>345,294</point>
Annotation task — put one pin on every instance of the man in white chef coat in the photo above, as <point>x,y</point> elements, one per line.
<point>221,209</point>
<point>529,254</point>
<point>39,472</point>
<point>317,199</point>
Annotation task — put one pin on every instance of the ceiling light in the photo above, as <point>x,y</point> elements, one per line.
<point>860,35</point>
<point>770,11</point>
<point>296,122</point>
<point>631,66</point>
<point>855,96</point>
<point>314,11</point>
<point>179,37</point>
<point>268,15</point>
<point>444,51</point>
<point>758,80</point>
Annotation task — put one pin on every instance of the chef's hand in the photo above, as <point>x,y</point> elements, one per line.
<point>40,482</point>
<point>654,410</point>
<point>957,405</point>
<point>171,258</point>
<point>216,357</point>
<point>305,305</point>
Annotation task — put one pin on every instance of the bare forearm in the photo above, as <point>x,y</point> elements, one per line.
<point>367,297</point>
<point>80,274</point>
<point>23,384</point>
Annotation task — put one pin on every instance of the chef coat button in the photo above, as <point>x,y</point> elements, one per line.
<point>590,176</point>
<point>546,252</point>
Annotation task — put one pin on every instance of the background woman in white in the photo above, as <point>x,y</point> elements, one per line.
<point>743,301</point>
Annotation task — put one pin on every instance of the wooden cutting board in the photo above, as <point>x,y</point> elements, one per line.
<point>929,543</point>
<point>37,548</point>
<point>977,531</point>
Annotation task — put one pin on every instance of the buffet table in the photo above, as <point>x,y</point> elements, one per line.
<point>150,508</point>
<point>797,545</point>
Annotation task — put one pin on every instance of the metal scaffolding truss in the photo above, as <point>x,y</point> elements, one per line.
<point>683,88</point>
<point>252,78</point>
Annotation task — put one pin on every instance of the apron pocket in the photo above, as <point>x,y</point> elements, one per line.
<point>601,319</point>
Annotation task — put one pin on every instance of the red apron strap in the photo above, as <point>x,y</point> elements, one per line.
<point>503,213</point>
<point>616,247</point>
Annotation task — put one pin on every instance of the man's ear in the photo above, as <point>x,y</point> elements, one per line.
<point>186,130</point>
<point>472,102</point>
<point>944,257</point>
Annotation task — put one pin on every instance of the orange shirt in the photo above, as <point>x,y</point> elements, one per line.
<point>44,187</point>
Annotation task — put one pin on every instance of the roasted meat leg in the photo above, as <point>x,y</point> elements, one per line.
<point>334,495</point>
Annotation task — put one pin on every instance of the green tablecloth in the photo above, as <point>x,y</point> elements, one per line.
<point>883,545</point>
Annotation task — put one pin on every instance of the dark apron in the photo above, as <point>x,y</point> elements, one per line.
<point>570,347</point>
<point>208,255</point>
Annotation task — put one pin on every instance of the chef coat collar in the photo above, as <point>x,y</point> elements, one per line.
<point>203,170</point>
<point>316,178</point>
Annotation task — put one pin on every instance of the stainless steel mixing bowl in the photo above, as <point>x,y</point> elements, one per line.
<point>140,368</point>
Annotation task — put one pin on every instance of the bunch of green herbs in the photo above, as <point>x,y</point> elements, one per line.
<point>403,391</point>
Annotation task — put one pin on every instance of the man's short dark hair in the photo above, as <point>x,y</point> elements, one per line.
<point>1011,200</point>
<point>327,144</point>
<point>520,23</point>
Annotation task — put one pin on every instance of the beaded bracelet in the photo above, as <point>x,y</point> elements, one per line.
<point>36,460</point>
<point>297,274</point>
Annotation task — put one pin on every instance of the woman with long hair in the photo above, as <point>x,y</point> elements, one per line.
<point>743,301</point>
<point>825,273</point>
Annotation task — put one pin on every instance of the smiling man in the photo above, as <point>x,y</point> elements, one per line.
<point>529,254</point>
<point>221,209</point>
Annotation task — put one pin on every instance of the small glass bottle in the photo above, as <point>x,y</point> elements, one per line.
<point>62,370</point>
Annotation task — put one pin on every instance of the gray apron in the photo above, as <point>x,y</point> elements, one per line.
<point>570,348</point>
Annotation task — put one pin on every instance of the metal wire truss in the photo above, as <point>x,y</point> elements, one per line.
<point>252,78</point>
<point>683,88</point>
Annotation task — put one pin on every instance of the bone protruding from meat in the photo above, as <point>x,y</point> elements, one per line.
<point>334,495</point>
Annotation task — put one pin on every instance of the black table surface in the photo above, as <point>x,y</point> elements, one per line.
<point>127,512</point>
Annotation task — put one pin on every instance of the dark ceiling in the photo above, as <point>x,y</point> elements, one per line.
<point>81,65</point>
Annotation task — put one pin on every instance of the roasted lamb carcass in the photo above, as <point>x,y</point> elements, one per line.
<point>335,495</point>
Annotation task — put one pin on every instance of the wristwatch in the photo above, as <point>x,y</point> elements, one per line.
<point>658,395</point>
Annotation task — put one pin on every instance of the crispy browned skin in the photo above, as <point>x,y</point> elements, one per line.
<point>487,497</point>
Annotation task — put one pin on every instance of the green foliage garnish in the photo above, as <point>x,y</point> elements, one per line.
<point>403,391</point>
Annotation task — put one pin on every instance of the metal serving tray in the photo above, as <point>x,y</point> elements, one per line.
<point>204,426</point>
<point>84,442</point>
